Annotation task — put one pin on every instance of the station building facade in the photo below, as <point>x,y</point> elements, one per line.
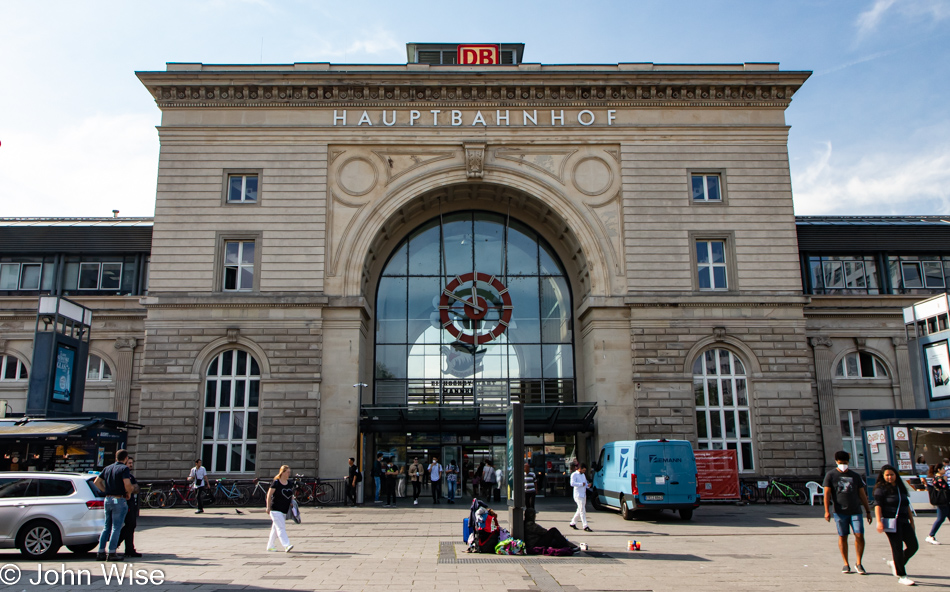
<point>356,258</point>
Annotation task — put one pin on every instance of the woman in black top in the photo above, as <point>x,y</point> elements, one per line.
<point>890,495</point>
<point>278,503</point>
<point>940,493</point>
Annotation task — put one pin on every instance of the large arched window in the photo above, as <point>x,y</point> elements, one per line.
<point>860,365</point>
<point>433,346</point>
<point>723,418</point>
<point>232,395</point>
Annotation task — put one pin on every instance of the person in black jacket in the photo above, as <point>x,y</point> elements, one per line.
<point>894,519</point>
<point>939,493</point>
<point>131,519</point>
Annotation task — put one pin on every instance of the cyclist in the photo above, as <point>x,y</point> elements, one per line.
<point>847,490</point>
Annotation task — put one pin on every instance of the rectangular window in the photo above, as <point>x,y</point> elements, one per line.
<point>242,188</point>
<point>918,274</point>
<point>706,188</point>
<point>9,276</point>
<point>30,274</point>
<point>711,264</point>
<point>100,276</point>
<point>843,275</point>
<point>238,266</point>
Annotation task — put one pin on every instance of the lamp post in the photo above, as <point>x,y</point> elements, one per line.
<point>359,435</point>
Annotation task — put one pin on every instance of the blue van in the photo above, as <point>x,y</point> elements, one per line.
<point>637,475</point>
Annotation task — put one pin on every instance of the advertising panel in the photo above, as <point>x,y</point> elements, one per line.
<point>63,376</point>
<point>717,474</point>
<point>937,357</point>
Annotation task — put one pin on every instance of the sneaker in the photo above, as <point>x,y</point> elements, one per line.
<point>906,581</point>
<point>100,556</point>
<point>893,568</point>
<point>115,557</point>
<point>273,549</point>
<point>199,511</point>
<point>378,502</point>
<point>846,569</point>
<point>289,547</point>
<point>415,502</point>
<point>932,540</point>
<point>860,569</point>
<point>387,506</point>
<point>132,554</point>
<point>587,528</point>
<point>572,525</point>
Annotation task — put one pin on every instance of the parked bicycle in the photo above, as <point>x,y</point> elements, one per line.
<point>777,490</point>
<point>258,494</point>
<point>315,491</point>
<point>229,493</point>
<point>181,493</point>
<point>749,492</point>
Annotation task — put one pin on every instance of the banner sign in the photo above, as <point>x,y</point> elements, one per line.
<point>63,377</point>
<point>717,474</point>
<point>938,369</point>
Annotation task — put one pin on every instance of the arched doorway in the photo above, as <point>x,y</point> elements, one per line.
<point>473,308</point>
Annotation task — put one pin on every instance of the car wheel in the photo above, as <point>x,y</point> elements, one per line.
<point>82,549</point>
<point>595,500</point>
<point>39,539</point>
<point>626,512</point>
<point>686,513</point>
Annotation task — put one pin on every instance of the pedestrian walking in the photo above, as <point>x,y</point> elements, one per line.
<point>529,487</point>
<point>401,479</point>
<point>415,477</point>
<point>127,536</point>
<point>378,477</point>
<point>435,477</point>
<point>848,492</point>
<point>499,474</point>
<point>279,497</point>
<point>352,478</point>
<point>488,480</point>
<point>199,482</point>
<point>451,480</point>
<point>581,485</point>
<point>116,481</point>
<point>391,473</point>
<point>477,479</point>
<point>894,518</point>
<point>939,498</point>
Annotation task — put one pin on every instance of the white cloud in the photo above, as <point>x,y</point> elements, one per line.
<point>931,10</point>
<point>876,184</point>
<point>101,164</point>
<point>375,42</point>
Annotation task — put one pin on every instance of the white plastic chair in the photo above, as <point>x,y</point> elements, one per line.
<point>814,489</point>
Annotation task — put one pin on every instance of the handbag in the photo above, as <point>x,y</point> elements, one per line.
<point>293,512</point>
<point>890,524</point>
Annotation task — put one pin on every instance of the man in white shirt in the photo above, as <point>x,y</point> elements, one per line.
<point>580,485</point>
<point>435,475</point>
<point>198,478</point>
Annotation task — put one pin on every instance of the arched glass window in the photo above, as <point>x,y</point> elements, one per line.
<point>11,368</point>
<point>860,365</point>
<point>97,369</point>
<point>232,396</point>
<point>434,346</point>
<point>723,418</point>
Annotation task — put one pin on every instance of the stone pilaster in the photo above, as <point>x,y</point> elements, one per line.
<point>125,348</point>
<point>830,434</point>
<point>904,399</point>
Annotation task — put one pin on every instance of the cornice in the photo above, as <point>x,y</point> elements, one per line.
<point>209,90</point>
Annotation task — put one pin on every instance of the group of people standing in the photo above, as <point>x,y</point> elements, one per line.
<point>121,508</point>
<point>390,480</point>
<point>845,490</point>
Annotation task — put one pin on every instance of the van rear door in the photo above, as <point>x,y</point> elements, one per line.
<point>652,476</point>
<point>681,472</point>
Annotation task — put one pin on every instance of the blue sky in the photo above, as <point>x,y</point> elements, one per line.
<point>870,129</point>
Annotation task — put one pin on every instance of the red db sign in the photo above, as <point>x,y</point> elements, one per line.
<point>469,55</point>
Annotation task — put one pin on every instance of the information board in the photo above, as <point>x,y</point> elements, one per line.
<point>717,474</point>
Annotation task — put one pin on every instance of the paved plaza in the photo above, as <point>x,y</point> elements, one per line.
<point>758,547</point>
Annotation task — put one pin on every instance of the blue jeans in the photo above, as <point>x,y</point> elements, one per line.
<point>116,509</point>
<point>377,480</point>
<point>451,485</point>
<point>943,513</point>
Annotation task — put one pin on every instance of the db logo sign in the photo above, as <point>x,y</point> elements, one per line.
<point>469,55</point>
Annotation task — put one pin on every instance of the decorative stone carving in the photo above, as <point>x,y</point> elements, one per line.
<point>357,176</point>
<point>233,334</point>
<point>896,341</point>
<point>125,343</point>
<point>861,342</point>
<point>820,341</point>
<point>548,160</point>
<point>474,160</point>
<point>719,333</point>
<point>3,345</point>
<point>592,176</point>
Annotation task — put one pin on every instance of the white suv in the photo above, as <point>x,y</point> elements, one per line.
<point>41,512</point>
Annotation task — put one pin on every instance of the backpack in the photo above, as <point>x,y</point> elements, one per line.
<point>359,476</point>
